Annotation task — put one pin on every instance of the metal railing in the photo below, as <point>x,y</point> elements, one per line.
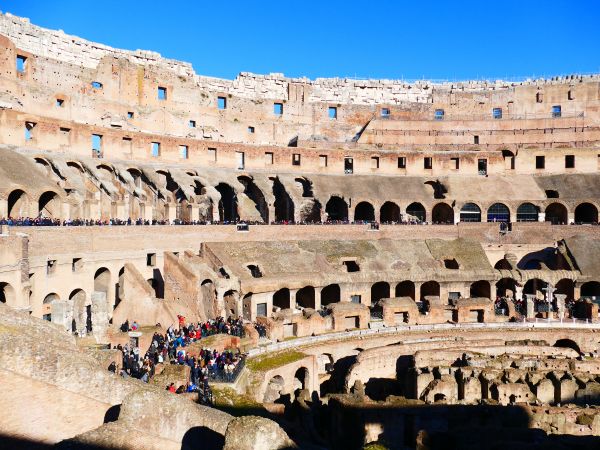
<point>220,376</point>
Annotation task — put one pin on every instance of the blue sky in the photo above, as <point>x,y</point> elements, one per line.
<point>365,39</point>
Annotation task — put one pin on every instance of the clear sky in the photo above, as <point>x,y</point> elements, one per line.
<point>439,40</point>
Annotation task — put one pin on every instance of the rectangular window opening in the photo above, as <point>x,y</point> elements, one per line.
<point>192,124</point>
<point>96,85</point>
<point>322,160</point>
<point>296,159</point>
<point>155,149</point>
<point>571,95</point>
<point>278,109</point>
<point>439,114</point>
<point>251,130</point>
<point>385,112</point>
<point>29,126</point>
<point>222,102</point>
<point>241,162</point>
<point>151,259</point>
<point>51,266</point>
<point>162,93</point>
<point>332,112</point>
<point>540,162</point>
<point>269,158</point>
<point>497,113</point>
<point>130,114</point>
<point>475,139</point>
<point>556,111</point>
<point>21,63</point>
<point>375,162</point>
<point>569,161</point>
<point>401,162</point>
<point>77,264</point>
<point>212,154</point>
<point>60,102</point>
<point>427,163</point>
<point>455,163</point>
<point>183,151</point>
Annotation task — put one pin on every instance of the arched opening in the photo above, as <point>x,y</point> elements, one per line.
<point>536,287</point>
<point>442,213</point>
<point>49,205</point>
<point>528,212</point>
<point>480,288</point>
<point>102,280</point>
<point>566,287</point>
<point>379,290</point>
<point>305,297</point>
<point>230,300</point>
<point>439,397</point>
<point>430,288</point>
<point>330,294</point>
<point>256,195</point>
<point>301,378</point>
<point>310,211</point>
<point>336,209</point>
<point>274,390</point>
<point>567,343</point>
<point>470,212</point>
<point>306,186</point>
<point>7,294</point>
<point>591,289</point>
<point>498,212</point>
<point>586,213</point>
<point>405,289</point>
<point>364,212</point>
<point>284,205</point>
<point>47,306</point>
<point>18,204</point>
<point>417,211</point>
<point>503,264</point>
<point>506,287</point>
<point>281,298</point>
<point>82,312</point>
<point>389,213</point>
<point>228,211</point>
<point>557,214</point>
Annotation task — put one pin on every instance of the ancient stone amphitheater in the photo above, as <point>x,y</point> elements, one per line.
<point>422,259</point>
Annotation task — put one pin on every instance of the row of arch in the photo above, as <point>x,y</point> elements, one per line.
<point>20,204</point>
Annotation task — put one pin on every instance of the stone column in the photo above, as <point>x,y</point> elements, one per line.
<point>317,299</point>
<point>271,209</point>
<point>3,208</point>
<point>560,305</point>
<point>62,313</point>
<point>377,213</point>
<point>293,293</point>
<point>513,216</point>
<point>571,217</point>
<point>530,305</point>
<point>541,217</point>
<point>100,313</point>
<point>518,292</point>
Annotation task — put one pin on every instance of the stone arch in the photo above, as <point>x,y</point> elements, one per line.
<point>336,209</point>
<point>480,288</point>
<point>275,389</point>
<point>417,210</point>
<point>566,287</point>
<point>18,204</point>
<point>102,280</point>
<point>557,214</point>
<point>284,205</point>
<point>82,311</point>
<point>281,298</point>
<point>47,306</point>
<point>498,212</point>
<point>506,287</point>
<point>310,211</point>
<point>430,288</point>
<point>301,378</point>
<point>405,289</point>
<point>586,213</point>
<point>306,185</point>
<point>49,205</point>
<point>136,175</point>
<point>528,212</point>
<point>76,165</point>
<point>470,212</point>
<point>364,211</point>
<point>442,213</point>
<point>590,289</point>
<point>535,286</point>
<point>567,343</point>
<point>379,290</point>
<point>228,203</point>
<point>305,297</point>
<point>503,264</point>
<point>230,298</point>
<point>389,213</point>
<point>7,294</point>
<point>330,294</point>
<point>253,192</point>
<point>247,306</point>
